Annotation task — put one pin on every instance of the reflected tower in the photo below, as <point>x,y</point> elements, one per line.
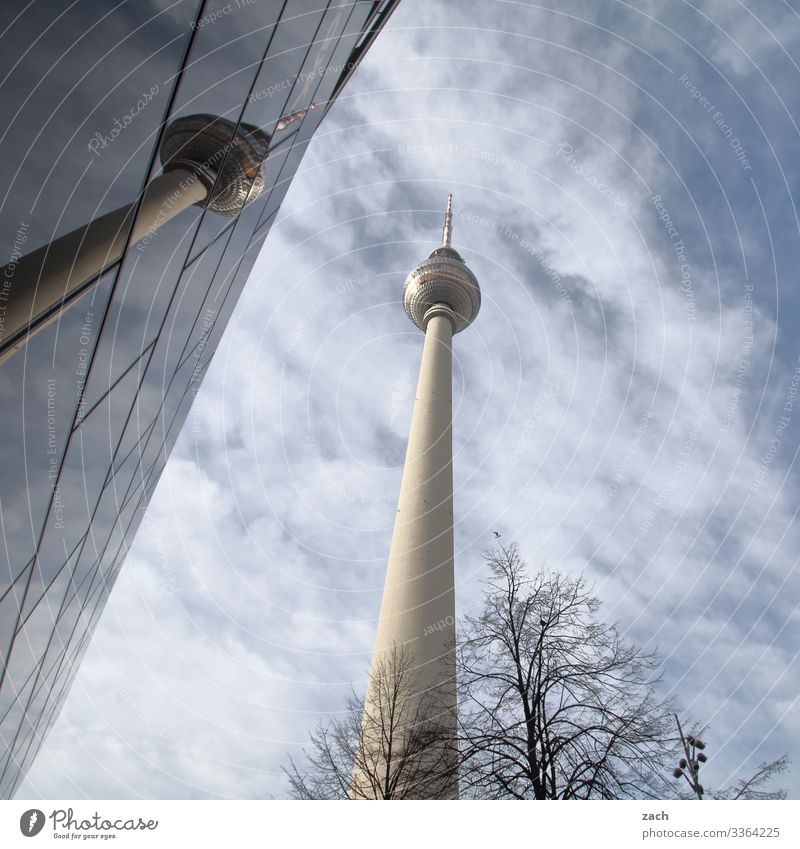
<point>207,161</point>
<point>441,297</point>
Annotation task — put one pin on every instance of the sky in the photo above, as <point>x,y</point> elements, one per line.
<point>625,405</point>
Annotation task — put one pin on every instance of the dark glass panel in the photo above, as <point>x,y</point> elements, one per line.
<point>86,463</point>
<point>83,577</point>
<point>200,245</point>
<point>235,252</point>
<point>9,780</point>
<point>178,402</point>
<point>62,634</point>
<point>343,50</point>
<point>324,65</point>
<point>185,312</point>
<point>233,274</point>
<point>55,587</point>
<point>67,666</point>
<point>128,476</point>
<point>134,491</point>
<point>32,639</point>
<point>285,171</point>
<point>83,106</point>
<point>150,453</point>
<point>109,555</point>
<point>98,390</point>
<point>146,286</point>
<point>33,732</point>
<point>108,525</point>
<point>101,555</point>
<point>133,439</point>
<point>263,228</point>
<point>153,473</point>
<point>279,88</point>
<point>216,309</point>
<point>9,615</point>
<point>27,651</point>
<point>193,288</point>
<point>211,227</point>
<point>12,708</point>
<point>224,59</point>
<point>41,384</point>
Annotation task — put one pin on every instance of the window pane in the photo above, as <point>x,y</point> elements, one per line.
<point>43,382</point>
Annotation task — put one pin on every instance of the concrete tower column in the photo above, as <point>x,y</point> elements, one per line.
<point>418,592</point>
<point>417,617</point>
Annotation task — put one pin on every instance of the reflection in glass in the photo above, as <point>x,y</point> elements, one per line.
<point>103,357</point>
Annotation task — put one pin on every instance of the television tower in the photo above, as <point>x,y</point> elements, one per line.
<point>441,296</point>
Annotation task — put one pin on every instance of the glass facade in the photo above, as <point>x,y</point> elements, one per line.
<point>93,402</point>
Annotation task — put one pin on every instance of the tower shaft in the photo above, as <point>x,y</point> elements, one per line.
<point>418,593</point>
<point>418,609</point>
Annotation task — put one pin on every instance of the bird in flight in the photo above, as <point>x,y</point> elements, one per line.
<point>496,535</point>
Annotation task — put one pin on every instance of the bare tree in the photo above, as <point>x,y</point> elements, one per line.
<point>393,749</point>
<point>748,788</point>
<point>754,787</point>
<point>553,703</point>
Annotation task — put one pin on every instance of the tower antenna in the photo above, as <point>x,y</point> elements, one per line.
<point>447,232</point>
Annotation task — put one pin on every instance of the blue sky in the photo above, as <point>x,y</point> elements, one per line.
<point>626,403</point>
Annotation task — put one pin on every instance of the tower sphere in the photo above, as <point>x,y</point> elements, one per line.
<point>228,159</point>
<point>443,278</point>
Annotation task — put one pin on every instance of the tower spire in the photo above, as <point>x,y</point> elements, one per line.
<point>447,232</point>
